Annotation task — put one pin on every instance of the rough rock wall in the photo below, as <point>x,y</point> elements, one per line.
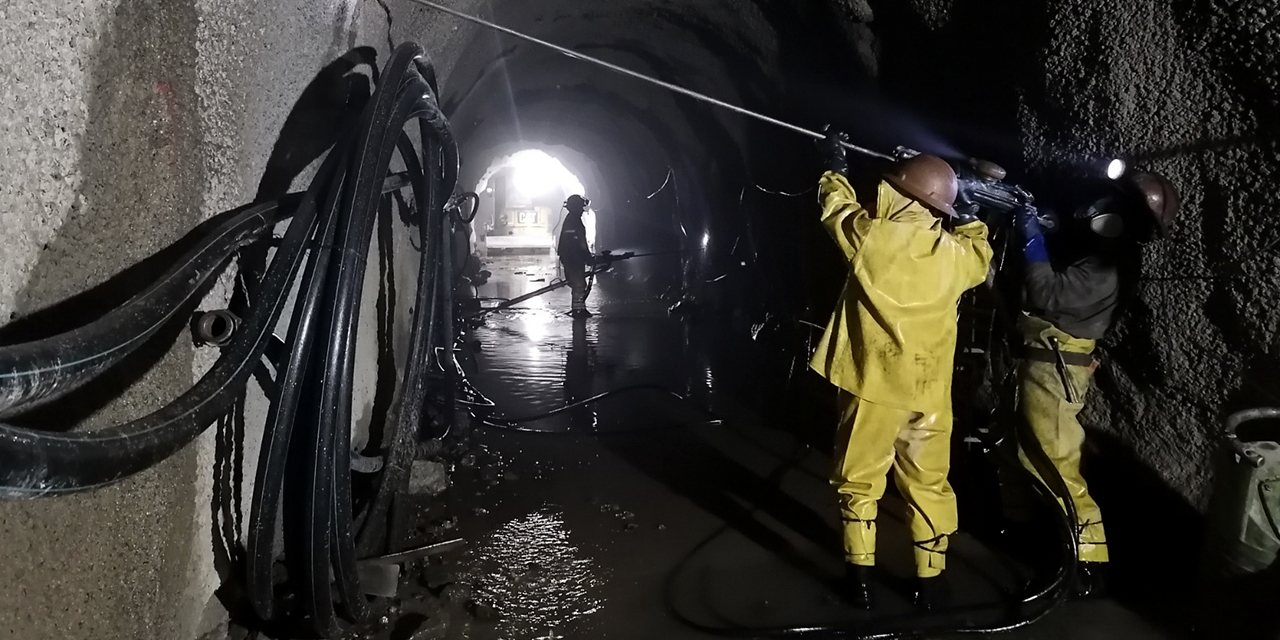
<point>1185,87</point>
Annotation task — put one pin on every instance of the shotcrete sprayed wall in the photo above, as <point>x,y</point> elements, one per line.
<point>1187,88</point>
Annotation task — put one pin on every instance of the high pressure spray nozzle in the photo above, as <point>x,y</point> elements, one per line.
<point>983,187</point>
<point>904,153</point>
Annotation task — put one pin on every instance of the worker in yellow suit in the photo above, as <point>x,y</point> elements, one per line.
<point>890,347</point>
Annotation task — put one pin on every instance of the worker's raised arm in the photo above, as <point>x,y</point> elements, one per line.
<point>845,219</point>
<point>974,258</point>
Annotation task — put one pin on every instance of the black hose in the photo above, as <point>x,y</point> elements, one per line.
<point>305,464</point>
<point>37,372</point>
<point>327,535</point>
<point>456,206</point>
<point>1049,485</point>
<point>328,545</point>
<point>513,424</point>
<point>40,464</point>
<point>36,463</point>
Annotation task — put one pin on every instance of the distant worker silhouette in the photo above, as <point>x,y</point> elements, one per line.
<point>575,255</point>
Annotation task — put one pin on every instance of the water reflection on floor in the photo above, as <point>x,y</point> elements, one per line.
<point>530,570</point>
<point>634,517</point>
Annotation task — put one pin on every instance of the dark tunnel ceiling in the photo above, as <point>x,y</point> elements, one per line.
<point>618,134</point>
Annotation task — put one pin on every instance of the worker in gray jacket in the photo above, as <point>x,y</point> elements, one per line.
<point>1072,289</point>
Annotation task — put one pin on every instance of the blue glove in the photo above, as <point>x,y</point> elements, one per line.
<point>1033,247</point>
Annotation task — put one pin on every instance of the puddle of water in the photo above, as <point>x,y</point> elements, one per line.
<point>537,581</point>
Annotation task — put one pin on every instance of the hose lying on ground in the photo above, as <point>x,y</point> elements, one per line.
<point>305,465</point>
<point>1032,607</point>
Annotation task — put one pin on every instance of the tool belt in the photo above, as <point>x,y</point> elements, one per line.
<point>1071,358</point>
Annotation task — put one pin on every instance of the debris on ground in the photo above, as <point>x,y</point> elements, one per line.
<point>428,477</point>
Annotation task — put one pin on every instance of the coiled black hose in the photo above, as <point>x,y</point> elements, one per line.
<point>305,464</point>
<point>37,372</point>
<point>321,542</point>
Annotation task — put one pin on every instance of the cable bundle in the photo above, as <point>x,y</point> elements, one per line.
<point>304,469</point>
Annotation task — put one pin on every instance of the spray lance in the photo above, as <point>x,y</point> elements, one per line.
<point>654,81</point>
<point>981,183</point>
<point>600,263</point>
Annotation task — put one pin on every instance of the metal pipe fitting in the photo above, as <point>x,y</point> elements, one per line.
<point>216,327</point>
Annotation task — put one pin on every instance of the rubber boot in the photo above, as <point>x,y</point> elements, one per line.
<point>1091,580</point>
<point>933,593</point>
<point>857,586</point>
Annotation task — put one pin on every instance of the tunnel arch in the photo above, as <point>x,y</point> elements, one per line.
<point>627,137</point>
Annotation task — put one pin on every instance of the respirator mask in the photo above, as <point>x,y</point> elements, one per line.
<point>1102,219</point>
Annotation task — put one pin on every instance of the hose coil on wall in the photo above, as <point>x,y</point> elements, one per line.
<point>305,464</point>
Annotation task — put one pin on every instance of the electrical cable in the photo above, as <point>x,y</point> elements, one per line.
<point>666,181</point>
<point>640,76</point>
<point>787,194</point>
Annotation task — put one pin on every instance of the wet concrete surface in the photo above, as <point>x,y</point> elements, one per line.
<point>643,517</point>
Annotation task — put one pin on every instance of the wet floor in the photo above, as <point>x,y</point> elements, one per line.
<point>644,516</point>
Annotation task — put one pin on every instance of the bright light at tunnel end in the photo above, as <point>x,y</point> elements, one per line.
<point>536,173</point>
<point>1116,169</point>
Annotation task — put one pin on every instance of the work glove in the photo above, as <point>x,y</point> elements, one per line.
<point>1033,247</point>
<point>833,152</point>
<point>966,214</point>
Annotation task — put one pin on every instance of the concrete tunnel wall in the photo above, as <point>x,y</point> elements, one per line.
<point>122,125</point>
<point>126,123</point>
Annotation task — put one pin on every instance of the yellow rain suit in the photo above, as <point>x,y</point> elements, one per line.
<point>1053,419</point>
<point>890,347</point>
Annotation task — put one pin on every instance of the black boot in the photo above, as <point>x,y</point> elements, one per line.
<point>933,593</point>
<point>1091,580</point>
<point>857,586</point>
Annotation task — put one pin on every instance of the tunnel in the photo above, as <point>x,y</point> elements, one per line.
<point>680,483</point>
<point>665,172</point>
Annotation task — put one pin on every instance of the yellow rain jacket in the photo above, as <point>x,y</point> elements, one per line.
<point>892,338</point>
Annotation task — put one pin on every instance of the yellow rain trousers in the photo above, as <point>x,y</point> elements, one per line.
<point>874,438</point>
<point>1054,424</point>
<point>891,346</point>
